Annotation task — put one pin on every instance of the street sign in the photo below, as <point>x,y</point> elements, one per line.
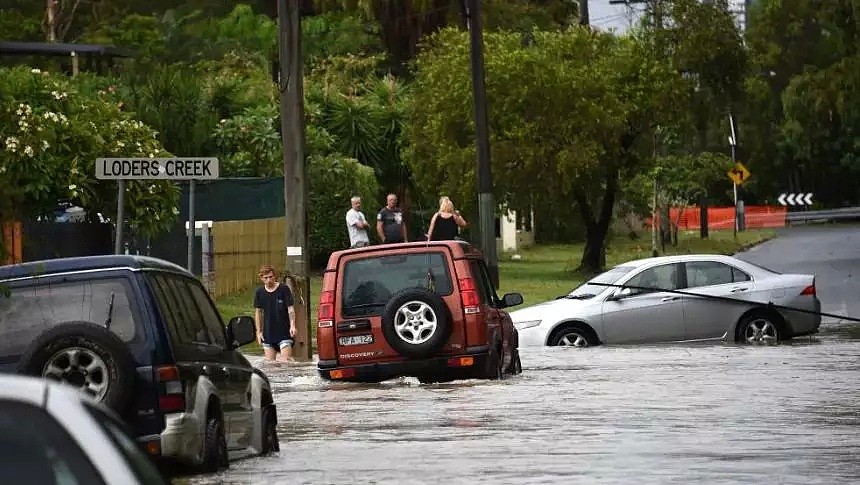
<point>795,199</point>
<point>739,174</point>
<point>193,168</point>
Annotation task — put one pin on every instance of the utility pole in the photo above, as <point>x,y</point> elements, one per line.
<point>295,170</point>
<point>486,207</point>
<point>583,13</point>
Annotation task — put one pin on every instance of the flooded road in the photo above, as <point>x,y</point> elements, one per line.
<point>706,413</point>
<point>647,414</point>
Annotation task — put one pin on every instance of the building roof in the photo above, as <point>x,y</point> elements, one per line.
<point>61,49</point>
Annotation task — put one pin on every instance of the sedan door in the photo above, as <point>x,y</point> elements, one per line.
<point>648,315</point>
<point>709,318</point>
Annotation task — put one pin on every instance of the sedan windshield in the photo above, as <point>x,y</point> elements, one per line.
<point>590,289</point>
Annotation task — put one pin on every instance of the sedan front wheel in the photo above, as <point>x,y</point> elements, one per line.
<point>571,337</point>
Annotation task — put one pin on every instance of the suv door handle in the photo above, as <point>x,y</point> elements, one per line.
<point>671,298</point>
<point>739,289</point>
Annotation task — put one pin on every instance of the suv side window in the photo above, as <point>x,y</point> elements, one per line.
<point>482,281</point>
<point>184,322</point>
<point>189,312</point>
<point>210,315</point>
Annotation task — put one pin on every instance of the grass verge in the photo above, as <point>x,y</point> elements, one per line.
<point>545,271</point>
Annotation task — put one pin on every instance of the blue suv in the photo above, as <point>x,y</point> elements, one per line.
<point>142,336</point>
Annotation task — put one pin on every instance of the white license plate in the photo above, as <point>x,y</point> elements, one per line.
<point>356,340</point>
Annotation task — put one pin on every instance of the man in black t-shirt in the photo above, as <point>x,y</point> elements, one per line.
<point>389,222</point>
<point>275,316</point>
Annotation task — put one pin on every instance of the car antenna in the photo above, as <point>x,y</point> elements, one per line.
<point>109,319</point>
<point>431,278</point>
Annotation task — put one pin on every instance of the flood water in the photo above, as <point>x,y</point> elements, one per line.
<point>703,413</point>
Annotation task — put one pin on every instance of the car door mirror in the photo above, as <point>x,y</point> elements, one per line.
<point>241,331</point>
<point>512,299</point>
<point>623,293</point>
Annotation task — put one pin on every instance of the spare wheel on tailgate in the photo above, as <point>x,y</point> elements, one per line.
<point>416,322</point>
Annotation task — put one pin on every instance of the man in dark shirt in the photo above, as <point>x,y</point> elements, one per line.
<point>389,222</point>
<point>275,315</point>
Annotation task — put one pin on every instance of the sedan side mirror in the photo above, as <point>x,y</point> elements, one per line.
<point>512,299</point>
<point>623,293</point>
<point>241,331</point>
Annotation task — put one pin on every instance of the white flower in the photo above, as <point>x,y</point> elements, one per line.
<point>151,155</point>
<point>23,125</point>
<point>11,144</point>
<point>35,71</point>
<point>73,187</point>
<point>120,144</point>
<point>50,115</point>
<point>152,189</point>
<point>28,150</point>
<point>63,118</point>
<point>175,211</point>
<point>223,120</point>
<point>45,145</point>
<point>19,111</point>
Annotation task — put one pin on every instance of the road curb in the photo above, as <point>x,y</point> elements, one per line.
<point>746,247</point>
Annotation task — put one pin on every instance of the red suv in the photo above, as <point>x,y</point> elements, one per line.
<point>419,309</point>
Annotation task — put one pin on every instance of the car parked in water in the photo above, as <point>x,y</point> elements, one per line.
<point>51,433</point>
<point>676,298</point>
<point>422,309</point>
<point>143,337</point>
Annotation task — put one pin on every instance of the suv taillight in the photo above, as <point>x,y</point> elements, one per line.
<point>325,314</point>
<point>469,296</point>
<point>171,395</point>
<point>809,290</point>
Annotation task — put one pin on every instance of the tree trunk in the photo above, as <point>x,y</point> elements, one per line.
<point>51,20</point>
<point>594,253</point>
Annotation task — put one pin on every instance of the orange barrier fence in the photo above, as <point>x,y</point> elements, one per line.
<point>755,216</point>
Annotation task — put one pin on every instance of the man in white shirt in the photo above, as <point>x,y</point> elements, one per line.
<point>356,225</point>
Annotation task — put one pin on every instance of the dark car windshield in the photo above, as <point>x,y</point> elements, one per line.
<point>589,289</point>
<point>368,283</point>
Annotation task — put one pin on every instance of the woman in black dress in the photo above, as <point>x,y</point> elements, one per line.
<point>446,223</point>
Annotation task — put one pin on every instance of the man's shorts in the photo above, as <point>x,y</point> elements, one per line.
<point>283,343</point>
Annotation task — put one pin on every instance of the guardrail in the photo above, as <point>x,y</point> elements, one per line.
<point>823,215</point>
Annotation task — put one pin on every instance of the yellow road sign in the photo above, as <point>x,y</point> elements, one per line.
<point>739,174</point>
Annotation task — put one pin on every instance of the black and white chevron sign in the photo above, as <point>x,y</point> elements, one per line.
<point>795,199</point>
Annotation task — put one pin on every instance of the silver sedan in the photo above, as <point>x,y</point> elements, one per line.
<point>676,298</point>
<point>53,433</point>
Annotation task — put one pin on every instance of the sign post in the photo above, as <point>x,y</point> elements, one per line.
<point>738,174</point>
<point>188,168</point>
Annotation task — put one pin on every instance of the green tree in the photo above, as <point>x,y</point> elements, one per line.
<point>52,129</point>
<point>571,115</point>
<point>795,48</point>
<point>174,102</point>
